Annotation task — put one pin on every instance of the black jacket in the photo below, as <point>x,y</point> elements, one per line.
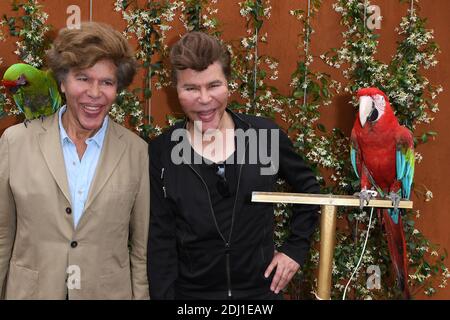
<point>188,256</point>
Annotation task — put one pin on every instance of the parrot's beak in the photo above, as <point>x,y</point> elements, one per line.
<point>9,84</point>
<point>365,108</point>
<point>14,85</point>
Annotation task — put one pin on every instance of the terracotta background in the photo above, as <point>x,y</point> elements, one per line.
<point>283,30</point>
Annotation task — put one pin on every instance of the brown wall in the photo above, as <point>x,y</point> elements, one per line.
<point>283,29</point>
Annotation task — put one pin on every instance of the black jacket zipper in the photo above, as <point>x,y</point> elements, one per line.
<point>227,243</point>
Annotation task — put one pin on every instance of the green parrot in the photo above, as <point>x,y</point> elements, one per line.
<point>35,92</point>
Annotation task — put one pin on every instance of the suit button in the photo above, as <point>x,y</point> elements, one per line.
<point>74,244</point>
<point>68,210</point>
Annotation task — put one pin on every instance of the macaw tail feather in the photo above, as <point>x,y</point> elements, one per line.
<point>397,249</point>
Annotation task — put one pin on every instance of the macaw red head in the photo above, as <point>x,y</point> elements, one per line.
<point>373,105</point>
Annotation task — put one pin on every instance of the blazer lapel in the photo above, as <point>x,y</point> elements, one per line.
<point>50,145</point>
<point>112,151</point>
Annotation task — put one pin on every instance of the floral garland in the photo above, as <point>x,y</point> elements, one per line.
<point>309,91</point>
<point>149,26</point>
<point>250,70</point>
<point>199,15</point>
<point>31,28</point>
<point>408,89</point>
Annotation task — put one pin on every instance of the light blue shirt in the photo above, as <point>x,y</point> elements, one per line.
<point>80,173</point>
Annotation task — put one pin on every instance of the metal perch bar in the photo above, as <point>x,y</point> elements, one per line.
<point>329,204</point>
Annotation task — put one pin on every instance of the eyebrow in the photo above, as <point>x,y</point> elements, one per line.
<point>109,79</point>
<point>209,83</point>
<point>82,73</point>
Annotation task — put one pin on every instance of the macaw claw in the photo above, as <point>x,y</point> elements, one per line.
<point>365,196</point>
<point>26,122</point>
<point>395,198</point>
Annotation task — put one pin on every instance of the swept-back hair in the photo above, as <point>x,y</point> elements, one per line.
<point>83,48</point>
<point>197,51</point>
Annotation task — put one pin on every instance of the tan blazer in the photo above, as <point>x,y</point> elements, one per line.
<point>104,257</point>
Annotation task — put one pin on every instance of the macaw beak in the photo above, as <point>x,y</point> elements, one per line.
<point>9,84</point>
<point>14,85</point>
<point>365,109</point>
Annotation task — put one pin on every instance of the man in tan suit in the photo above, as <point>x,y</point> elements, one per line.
<point>74,188</point>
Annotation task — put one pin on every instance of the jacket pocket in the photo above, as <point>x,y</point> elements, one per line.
<point>22,283</point>
<point>117,285</point>
<point>121,199</point>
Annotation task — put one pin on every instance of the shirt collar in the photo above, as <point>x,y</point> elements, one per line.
<point>98,138</point>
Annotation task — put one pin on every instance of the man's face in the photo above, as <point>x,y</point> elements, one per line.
<point>90,94</point>
<point>203,95</point>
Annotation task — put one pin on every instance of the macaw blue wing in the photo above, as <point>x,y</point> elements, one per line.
<point>353,159</point>
<point>405,169</point>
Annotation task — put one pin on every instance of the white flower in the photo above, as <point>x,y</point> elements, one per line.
<point>428,195</point>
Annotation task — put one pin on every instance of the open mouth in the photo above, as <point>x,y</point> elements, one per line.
<point>207,116</point>
<point>92,110</point>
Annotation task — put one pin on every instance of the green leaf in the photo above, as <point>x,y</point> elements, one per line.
<point>262,74</point>
<point>298,94</point>
<point>258,24</point>
<point>147,93</point>
<point>424,138</point>
<point>321,127</point>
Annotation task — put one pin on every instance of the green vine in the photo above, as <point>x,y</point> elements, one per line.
<point>410,92</point>
<point>199,15</point>
<point>250,70</point>
<point>30,26</point>
<point>413,97</point>
<point>309,91</point>
<point>148,24</point>
<point>5,103</point>
<point>128,111</point>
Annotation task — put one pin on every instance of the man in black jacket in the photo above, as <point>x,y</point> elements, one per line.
<point>207,239</point>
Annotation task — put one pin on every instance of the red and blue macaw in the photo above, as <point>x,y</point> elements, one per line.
<point>382,155</point>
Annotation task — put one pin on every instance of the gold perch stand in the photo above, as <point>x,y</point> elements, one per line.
<point>329,204</point>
